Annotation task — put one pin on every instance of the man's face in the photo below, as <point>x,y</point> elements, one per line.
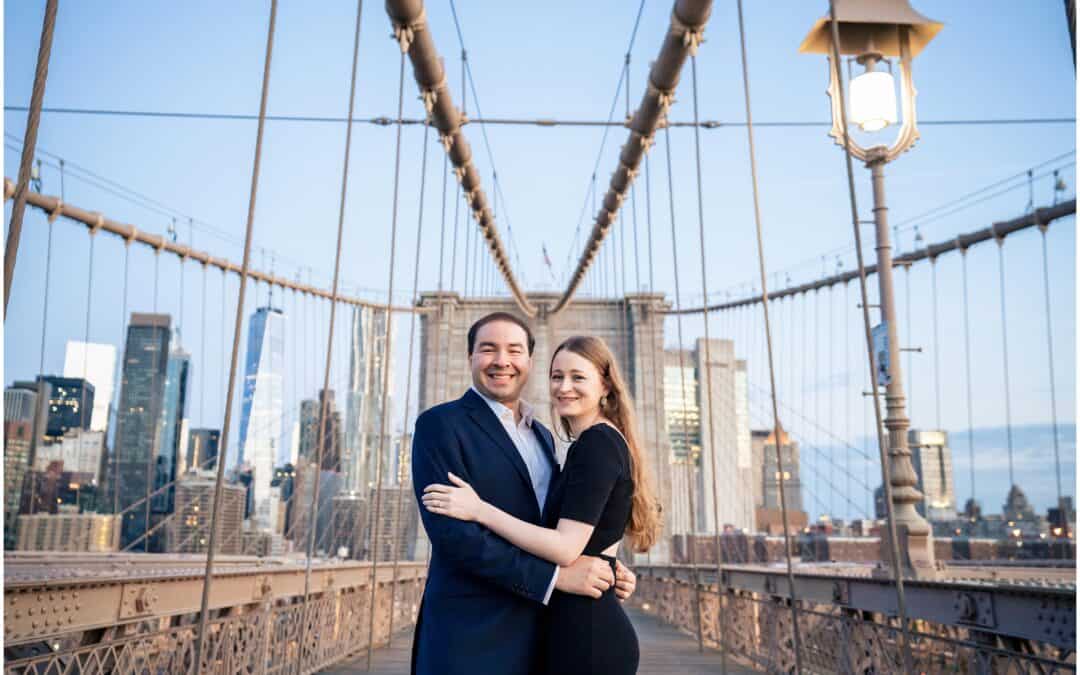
<point>500,361</point>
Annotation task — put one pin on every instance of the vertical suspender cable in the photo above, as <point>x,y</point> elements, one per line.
<point>832,389</point>
<point>708,369</point>
<point>768,341</point>
<point>847,381</point>
<point>219,481</point>
<point>37,95</point>
<point>154,412</point>
<point>1050,361</point>
<point>202,350</point>
<point>324,395</point>
<point>657,382</point>
<point>910,343</point>
<point>408,379</point>
<point>386,347</point>
<point>894,546</point>
<point>438,316</point>
<point>690,536</point>
<point>120,380</point>
<point>967,375</point>
<point>937,356</point>
<point>1005,358</point>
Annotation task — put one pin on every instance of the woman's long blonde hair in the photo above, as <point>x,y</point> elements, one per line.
<point>618,407</point>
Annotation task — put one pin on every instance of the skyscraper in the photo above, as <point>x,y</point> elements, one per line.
<point>310,411</point>
<point>138,419</point>
<point>16,464</point>
<point>195,512</point>
<point>96,363</point>
<point>173,414</point>
<point>766,481</point>
<point>261,414</point>
<point>19,402</point>
<point>70,401</point>
<point>202,450</point>
<point>696,444</point>
<point>368,360</point>
<point>932,459</point>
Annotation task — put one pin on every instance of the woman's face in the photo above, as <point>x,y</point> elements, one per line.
<point>576,385</point>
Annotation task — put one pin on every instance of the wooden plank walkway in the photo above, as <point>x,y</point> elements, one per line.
<point>664,651</point>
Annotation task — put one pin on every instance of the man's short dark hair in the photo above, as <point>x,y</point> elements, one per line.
<point>500,316</point>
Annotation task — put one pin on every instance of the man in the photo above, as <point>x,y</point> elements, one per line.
<point>483,605</point>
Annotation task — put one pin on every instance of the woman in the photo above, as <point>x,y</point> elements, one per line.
<point>602,493</point>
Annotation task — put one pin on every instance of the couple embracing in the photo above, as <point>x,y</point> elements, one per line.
<point>523,578</point>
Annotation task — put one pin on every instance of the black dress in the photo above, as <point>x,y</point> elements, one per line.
<point>589,636</point>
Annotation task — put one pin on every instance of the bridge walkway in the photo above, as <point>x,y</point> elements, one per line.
<point>664,651</point>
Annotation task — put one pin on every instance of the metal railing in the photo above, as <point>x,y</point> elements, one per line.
<point>139,614</point>
<point>849,626</point>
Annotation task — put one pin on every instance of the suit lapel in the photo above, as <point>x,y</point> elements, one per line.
<point>485,418</point>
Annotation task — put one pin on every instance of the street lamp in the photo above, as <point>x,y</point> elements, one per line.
<point>872,34</point>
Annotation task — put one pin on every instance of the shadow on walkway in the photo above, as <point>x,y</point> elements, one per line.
<point>664,650</point>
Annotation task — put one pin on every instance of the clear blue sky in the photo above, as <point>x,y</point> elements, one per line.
<point>992,60</point>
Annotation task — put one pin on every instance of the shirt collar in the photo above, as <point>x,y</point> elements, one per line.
<point>527,411</point>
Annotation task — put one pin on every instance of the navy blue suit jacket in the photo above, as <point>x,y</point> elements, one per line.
<point>482,610</point>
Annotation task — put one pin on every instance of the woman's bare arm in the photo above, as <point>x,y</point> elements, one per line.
<point>562,545</point>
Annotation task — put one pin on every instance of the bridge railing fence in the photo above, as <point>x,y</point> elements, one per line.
<point>844,635</point>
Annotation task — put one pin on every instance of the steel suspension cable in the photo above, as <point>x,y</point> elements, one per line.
<point>437,342</point>
<point>708,370</point>
<point>1005,361</point>
<point>386,347</point>
<point>325,394</point>
<point>154,409</point>
<point>408,381</point>
<point>657,383</point>
<point>691,534</point>
<point>120,378</point>
<point>1050,359</point>
<point>768,341</point>
<point>937,355</point>
<point>910,344</point>
<point>894,546</point>
<point>33,118</point>
<point>219,481</point>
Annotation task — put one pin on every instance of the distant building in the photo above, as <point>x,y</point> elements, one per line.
<point>80,450</point>
<point>16,465</point>
<point>369,360</point>
<point>96,363</point>
<point>195,511</point>
<point>19,402</point>
<point>41,489</point>
<point>173,427</point>
<point>396,524</point>
<point>699,447</point>
<point>766,481</point>
<point>69,531</point>
<point>333,438</point>
<point>38,416</point>
<point>350,526</point>
<point>202,450</point>
<point>70,403</point>
<point>262,409</point>
<point>1062,518</point>
<point>138,419</point>
<point>932,459</point>
<point>301,506</point>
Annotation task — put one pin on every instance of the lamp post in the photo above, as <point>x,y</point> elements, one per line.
<point>873,34</point>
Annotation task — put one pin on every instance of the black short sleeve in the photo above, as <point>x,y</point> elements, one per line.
<point>593,467</point>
